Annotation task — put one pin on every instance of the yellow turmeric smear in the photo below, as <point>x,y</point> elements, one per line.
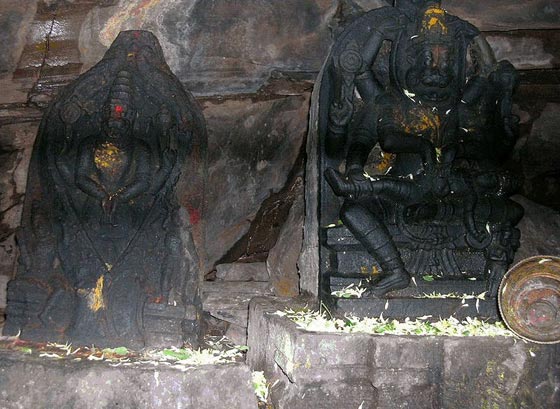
<point>424,121</point>
<point>107,156</point>
<point>96,301</point>
<point>386,162</point>
<point>433,19</point>
<point>435,10</point>
<point>374,272</point>
<point>432,121</point>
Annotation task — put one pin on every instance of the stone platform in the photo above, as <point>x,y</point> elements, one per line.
<point>415,301</point>
<point>42,383</point>
<point>401,308</point>
<point>349,264</point>
<point>338,370</point>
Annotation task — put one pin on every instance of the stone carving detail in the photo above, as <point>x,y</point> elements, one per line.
<point>108,255</point>
<point>423,87</point>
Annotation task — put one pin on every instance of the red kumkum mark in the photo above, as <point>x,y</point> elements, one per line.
<point>118,111</point>
<point>194,215</point>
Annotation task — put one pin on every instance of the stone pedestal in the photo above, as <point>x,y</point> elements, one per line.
<point>334,370</point>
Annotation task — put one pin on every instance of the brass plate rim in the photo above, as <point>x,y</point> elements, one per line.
<point>503,284</point>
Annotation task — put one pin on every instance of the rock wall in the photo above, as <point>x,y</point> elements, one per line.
<point>252,64</point>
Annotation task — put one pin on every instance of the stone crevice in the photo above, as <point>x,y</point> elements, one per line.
<point>35,89</point>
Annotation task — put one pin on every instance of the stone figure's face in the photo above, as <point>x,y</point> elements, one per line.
<point>432,72</point>
<point>117,129</point>
<point>116,125</point>
<point>432,77</point>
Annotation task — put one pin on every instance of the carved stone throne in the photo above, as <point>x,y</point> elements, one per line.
<point>111,218</point>
<point>414,126</point>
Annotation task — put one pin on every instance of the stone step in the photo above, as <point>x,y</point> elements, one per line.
<point>242,272</point>
<point>419,287</point>
<point>361,264</point>
<point>236,287</point>
<point>28,381</point>
<point>229,301</point>
<point>402,308</point>
<point>358,370</point>
<point>418,300</point>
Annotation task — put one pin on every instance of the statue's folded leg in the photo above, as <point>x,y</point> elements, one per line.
<point>375,237</point>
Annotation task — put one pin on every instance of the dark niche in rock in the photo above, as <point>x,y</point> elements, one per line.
<point>108,256</point>
<point>429,210</point>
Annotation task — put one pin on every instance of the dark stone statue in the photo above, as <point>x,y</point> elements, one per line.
<point>422,88</point>
<point>108,255</point>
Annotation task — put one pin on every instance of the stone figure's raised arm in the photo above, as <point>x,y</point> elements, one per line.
<point>362,141</point>
<point>394,138</point>
<point>84,169</point>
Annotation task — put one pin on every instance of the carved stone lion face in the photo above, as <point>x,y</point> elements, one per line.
<point>432,76</point>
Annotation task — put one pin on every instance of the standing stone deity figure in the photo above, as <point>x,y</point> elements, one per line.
<point>108,252</point>
<point>423,86</point>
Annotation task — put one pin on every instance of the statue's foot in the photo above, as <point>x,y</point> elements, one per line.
<point>391,282</point>
<point>496,272</point>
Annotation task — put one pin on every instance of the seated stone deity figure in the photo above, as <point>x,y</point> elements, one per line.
<point>109,254</point>
<point>117,172</point>
<point>444,119</point>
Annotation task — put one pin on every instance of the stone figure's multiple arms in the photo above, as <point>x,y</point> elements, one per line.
<point>398,189</point>
<point>351,72</point>
<point>362,141</point>
<point>393,139</point>
<point>168,160</point>
<point>506,78</point>
<point>142,171</point>
<point>84,168</point>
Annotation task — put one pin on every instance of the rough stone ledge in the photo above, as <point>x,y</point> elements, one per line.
<point>41,383</point>
<point>326,370</point>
